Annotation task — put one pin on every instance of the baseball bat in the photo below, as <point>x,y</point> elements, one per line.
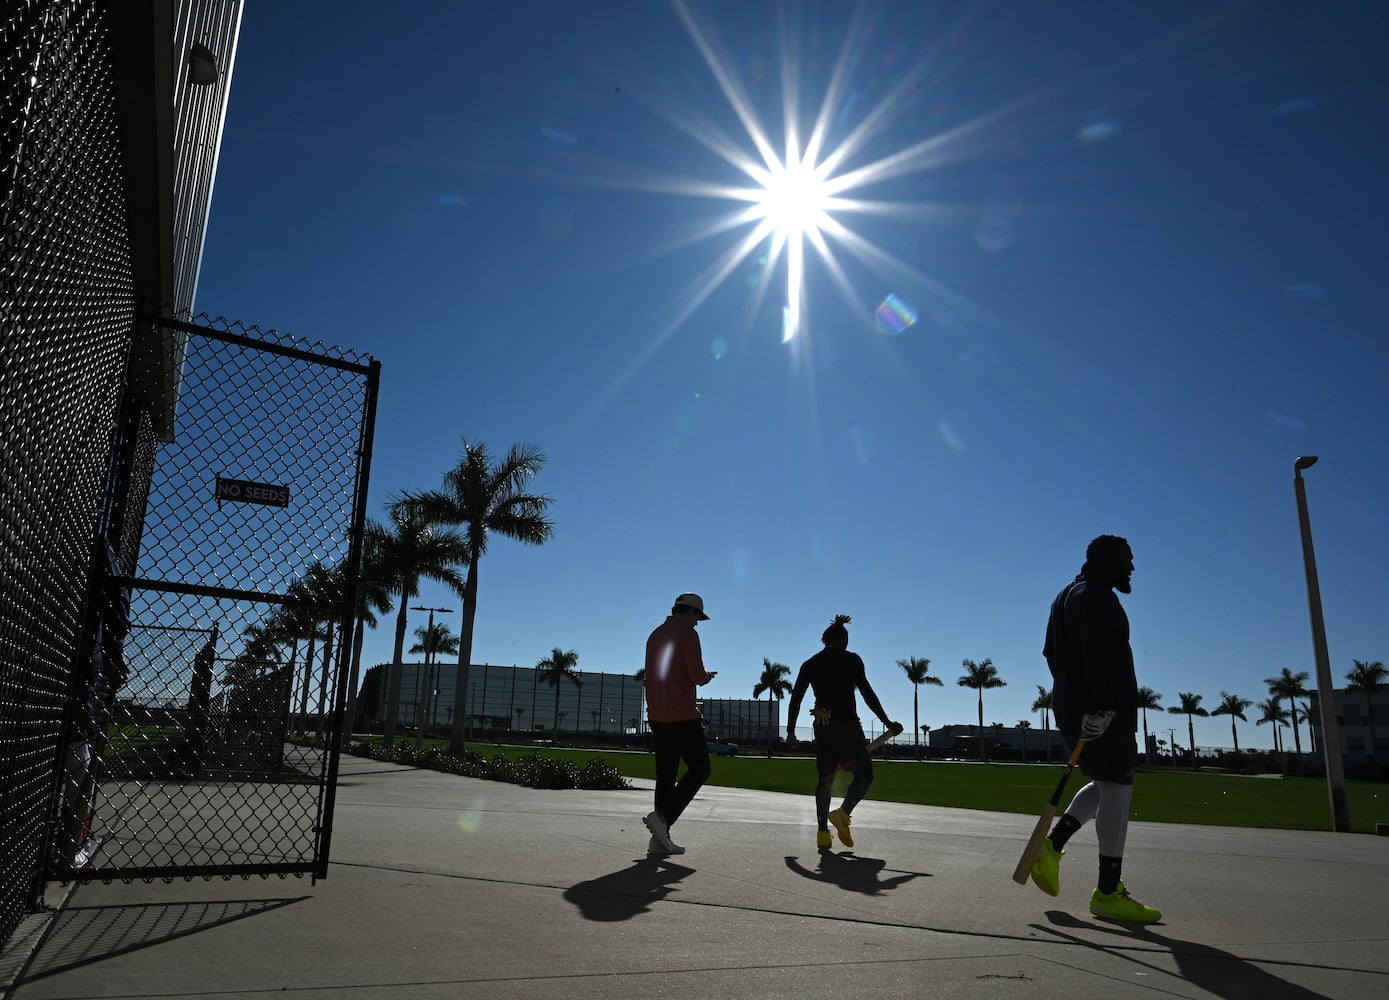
<point>1039,832</point>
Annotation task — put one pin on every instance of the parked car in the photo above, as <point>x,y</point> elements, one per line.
<point>722,748</point>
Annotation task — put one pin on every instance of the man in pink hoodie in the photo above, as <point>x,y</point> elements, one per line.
<point>674,668</point>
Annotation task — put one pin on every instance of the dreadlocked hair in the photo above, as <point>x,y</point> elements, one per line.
<point>836,632</point>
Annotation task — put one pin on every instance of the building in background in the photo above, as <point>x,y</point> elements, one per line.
<point>1362,755</point>
<point>512,700</point>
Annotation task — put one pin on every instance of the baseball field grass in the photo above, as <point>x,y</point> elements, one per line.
<point>1160,795</point>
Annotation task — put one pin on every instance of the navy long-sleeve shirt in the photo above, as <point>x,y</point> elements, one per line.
<point>834,675</point>
<point>1087,648</point>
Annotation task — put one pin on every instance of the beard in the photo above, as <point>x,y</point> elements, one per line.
<point>1124,586</point>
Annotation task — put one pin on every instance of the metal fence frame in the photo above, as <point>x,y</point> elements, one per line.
<point>139,776</point>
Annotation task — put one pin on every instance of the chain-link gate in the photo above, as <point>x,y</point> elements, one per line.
<point>204,738</point>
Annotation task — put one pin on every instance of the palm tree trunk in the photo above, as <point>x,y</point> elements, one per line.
<point>916,718</point>
<point>320,733</point>
<point>1297,739</point>
<point>349,719</point>
<point>981,723</point>
<point>1147,744</point>
<point>393,698</point>
<point>465,658</point>
<point>1234,734</point>
<point>1191,738</point>
<point>308,679</point>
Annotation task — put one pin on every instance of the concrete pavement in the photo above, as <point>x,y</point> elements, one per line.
<point>447,887</point>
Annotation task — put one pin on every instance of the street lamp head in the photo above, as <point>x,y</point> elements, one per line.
<point>1305,462</point>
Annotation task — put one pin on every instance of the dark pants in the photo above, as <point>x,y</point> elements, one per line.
<point>674,742</point>
<point>841,745</point>
<point>1112,757</point>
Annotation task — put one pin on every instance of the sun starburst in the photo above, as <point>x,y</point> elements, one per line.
<point>784,203</point>
<point>800,197</point>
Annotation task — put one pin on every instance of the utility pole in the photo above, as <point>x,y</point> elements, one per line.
<point>1326,695</point>
<point>429,641</point>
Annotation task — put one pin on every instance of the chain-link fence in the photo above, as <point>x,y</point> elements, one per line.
<point>204,739</point>
<point>66,303</point>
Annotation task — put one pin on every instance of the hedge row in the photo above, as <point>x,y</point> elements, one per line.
<point>531,770</point>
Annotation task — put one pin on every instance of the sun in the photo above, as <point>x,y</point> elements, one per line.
<point>793,198</point>
<point>798,197</point>
<point>779,200</point>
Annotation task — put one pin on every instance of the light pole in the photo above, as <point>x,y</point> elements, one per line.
<point>1330,731</point>
<point>428,666</point>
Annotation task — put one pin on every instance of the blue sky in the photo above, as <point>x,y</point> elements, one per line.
<point>1135,251</point>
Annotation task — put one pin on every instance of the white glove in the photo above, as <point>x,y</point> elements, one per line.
<point>1092,727</point>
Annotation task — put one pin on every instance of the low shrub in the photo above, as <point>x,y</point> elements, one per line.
<point>534,770</point>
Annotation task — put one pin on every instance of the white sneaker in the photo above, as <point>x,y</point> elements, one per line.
<point>660,833</point>
<point>655,848</point>
<point>85,852</point>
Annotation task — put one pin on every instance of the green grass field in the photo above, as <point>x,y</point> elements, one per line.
<point>1162,796</point>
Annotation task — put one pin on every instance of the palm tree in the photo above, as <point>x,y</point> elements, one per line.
<point>1023,726</point>
<point>980,676</point>
<point>1190,706</point>
<point>485,499</point>
<point>1148,698</point>
<point>1369,678</point>
<point>1289,685</point>
<point>412,549</point>
<point>1273,712</point>
<point>776,685</point>
<point>1233,706</point>
<point>1303,713</point>
<point>916,667</point>
<point>558,666</point>
<point>519,713</point>
<point>433,640</point>
<point>1043,705</point>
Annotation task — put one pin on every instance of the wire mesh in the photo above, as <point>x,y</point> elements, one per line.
<point>66,301</point>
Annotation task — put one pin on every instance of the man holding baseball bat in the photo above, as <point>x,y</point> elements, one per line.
<point>834,674</point>
<point>1095,699</point>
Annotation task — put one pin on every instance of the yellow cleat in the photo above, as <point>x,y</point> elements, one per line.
<point>840,820</point>
<point>1119,905</point>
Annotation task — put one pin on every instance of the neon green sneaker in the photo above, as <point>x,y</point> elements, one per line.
<point>823,840</point>
<point>1119,905</point>
<point>840,820</point>
<point>1046,870</point>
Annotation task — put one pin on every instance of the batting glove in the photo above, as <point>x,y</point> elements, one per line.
<point>1092,727</point>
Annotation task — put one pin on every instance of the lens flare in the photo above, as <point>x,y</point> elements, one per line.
<point>894,315</point>
<point>470,819</point>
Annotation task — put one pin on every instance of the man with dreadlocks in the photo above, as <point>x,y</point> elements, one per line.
<point>835,674</point>
<point>1096,699</point>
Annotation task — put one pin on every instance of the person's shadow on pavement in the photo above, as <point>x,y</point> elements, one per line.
<point>624,894</point>
<point>1214,970</point>
<point>853,873</point>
